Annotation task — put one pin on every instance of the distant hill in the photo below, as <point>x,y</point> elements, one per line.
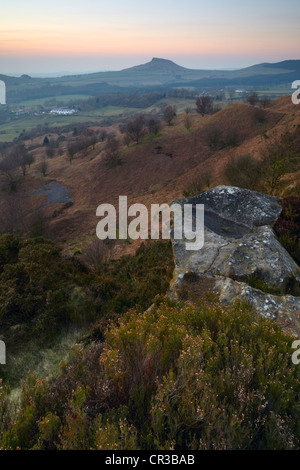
<point>156,75</point>
<point>290,65</point>
<point>157,65</point>
<point>165,71</point>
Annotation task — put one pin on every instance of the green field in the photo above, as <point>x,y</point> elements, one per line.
<point>50,101</point>
<point>59,92</point>
<point>12,129</point>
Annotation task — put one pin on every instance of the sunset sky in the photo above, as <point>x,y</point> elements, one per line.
<point>38,36</point>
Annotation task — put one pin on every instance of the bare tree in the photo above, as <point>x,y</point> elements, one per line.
<point>103,135</point>
<point>231,94</point>
<point>43,167</point>
<point>135,128</point>
<point>265,101</point>
<point>97,253</point>
<point>169,114</point>
<point>70,152</point>
<point>204,105</point>
<point>21,156</point>
<point>253,98</point>
<point>50,149</point>
<point>188,122</point>
<point>13,212</point>
<point>9,169</point>
<point>112,156</point>
<point>154,126</point>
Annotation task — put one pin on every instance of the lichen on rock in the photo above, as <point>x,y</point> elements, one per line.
<point>242,257</point>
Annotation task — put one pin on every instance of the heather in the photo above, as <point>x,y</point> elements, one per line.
<point>177,376</point>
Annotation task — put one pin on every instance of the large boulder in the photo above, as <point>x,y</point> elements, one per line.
<point>242,257</point>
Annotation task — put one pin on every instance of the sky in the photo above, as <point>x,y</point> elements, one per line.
<point>57,36</point>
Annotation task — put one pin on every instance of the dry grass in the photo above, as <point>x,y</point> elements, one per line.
<point>182,157</point>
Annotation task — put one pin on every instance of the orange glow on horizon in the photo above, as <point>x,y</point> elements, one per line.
<point>162,28</point>
<point>107,42</point>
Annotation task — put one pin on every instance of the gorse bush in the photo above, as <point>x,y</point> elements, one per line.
<point>40,290</point>
<point>280,158</point>
<point>266,174</point>
<point>287,226</point>
<point>43,294</point>
<point>136,280</point>
<point>34,287</point>
<point>245,171</point>
<point>198,185</point>
<point>178,376</point>
<point>219,138</point>
<point>173,376</point>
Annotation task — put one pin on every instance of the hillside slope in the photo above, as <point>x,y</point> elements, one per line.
<point>158,170</point>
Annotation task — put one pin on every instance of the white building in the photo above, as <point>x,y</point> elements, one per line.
<point>62,112</point>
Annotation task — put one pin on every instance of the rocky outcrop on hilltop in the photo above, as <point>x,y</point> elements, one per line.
<point>242,257</point>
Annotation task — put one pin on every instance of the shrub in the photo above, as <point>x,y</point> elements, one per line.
<point>169,114</point>
<point>97,254</point>
<point>77,432</point>
<point>135,128</point>
<point>198,185</point>
<point>223,392</point>
<point>9,250</point>
<point>112,155</point>
<point>36,291</point>
<point>178,376</point>
<point>206,377</point>
<point>245,172</point>
<point>115,436</point>
<point>43,167</point>
<point>204,105</point>
<point>287,226</point>
<point>23,430</point>
<point>280,158</point>
<point>219,138</point>
<point>48,428</point>
<point>215,137</point>
<point>260,116</point>
<point>6,409</point>
<point>154,126</point>
<point>134,280</point>
<point>253,98</point>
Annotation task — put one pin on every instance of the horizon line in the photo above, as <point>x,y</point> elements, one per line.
<point>59,74</point>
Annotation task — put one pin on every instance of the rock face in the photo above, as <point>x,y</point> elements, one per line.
<point>241,257</point>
